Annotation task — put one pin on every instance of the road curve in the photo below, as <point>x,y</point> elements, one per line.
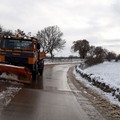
<point>49,98</point>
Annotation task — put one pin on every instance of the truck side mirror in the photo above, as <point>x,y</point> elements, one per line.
<point>38,46</point>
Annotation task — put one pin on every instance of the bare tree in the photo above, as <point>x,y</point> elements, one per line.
<point>1,30</point>
<point>82,46</point>
<point>18,31</point>
<point>4,32</point>
<point>7,32</point>
<point>117,58</point>
<point>50,39</point>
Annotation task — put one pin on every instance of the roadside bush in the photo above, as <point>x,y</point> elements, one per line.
<point>117,58</point>
<point>111,56</point>
<point>96,55</point>
<point>93,60</point>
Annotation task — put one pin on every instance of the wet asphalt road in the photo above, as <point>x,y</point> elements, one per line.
<point>48,98</point>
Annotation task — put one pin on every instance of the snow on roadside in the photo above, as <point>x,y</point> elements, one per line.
<point>108,73</point>
<point>7,95</point>
<point>8,89</point>
<point>61,61</point>
<point>9,76</point>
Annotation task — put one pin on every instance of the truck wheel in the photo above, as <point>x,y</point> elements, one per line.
<point>41,72</point>
<point>0,73</point>
<point>34,75</point>
<point>35,72</point>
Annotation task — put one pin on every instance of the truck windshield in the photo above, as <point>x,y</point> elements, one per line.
<point>14,44</point>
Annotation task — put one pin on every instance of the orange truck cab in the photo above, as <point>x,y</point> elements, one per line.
<point>20,51</point>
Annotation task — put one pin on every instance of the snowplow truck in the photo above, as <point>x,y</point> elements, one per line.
<point>21,56</point>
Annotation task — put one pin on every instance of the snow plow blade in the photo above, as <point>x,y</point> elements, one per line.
<point>22,73</point>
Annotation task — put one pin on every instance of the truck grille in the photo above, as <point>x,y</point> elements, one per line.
<point>16,60</point>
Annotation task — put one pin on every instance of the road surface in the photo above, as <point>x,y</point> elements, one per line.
<point>50,98</point>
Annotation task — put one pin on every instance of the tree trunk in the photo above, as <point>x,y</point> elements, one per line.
<point>52,56</point>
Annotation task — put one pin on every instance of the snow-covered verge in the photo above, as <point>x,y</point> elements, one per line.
<point>104,78</point>
<point>61,61</point>
<point>8,90</point>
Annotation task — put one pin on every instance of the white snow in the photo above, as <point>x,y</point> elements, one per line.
<point>107,72</point>
<point>9,76</point>
<point>8,89</point>
<point>7,95</point>
<point>61,61</point>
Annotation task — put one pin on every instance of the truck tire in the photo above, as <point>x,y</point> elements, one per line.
<point>41,72</point>
<point>40,67</point>
<point>35,72</point>
<point>34,75</point>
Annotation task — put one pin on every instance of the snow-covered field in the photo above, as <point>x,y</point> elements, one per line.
<point>108,73</point>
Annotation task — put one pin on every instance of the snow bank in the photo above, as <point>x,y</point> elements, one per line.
<point>104,76</point>
<point>8,89</point>
<point>109,71</point>
<point>7,95</point>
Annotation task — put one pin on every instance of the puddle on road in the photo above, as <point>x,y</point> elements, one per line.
<point>36,84</point>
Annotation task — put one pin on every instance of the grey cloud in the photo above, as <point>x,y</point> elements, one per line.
<point>112,41</point>
<point>77,19</point>
<point>115,48</point>
<point>116,7</point>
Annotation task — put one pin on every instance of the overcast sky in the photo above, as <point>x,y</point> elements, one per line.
<point>98,21</point>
